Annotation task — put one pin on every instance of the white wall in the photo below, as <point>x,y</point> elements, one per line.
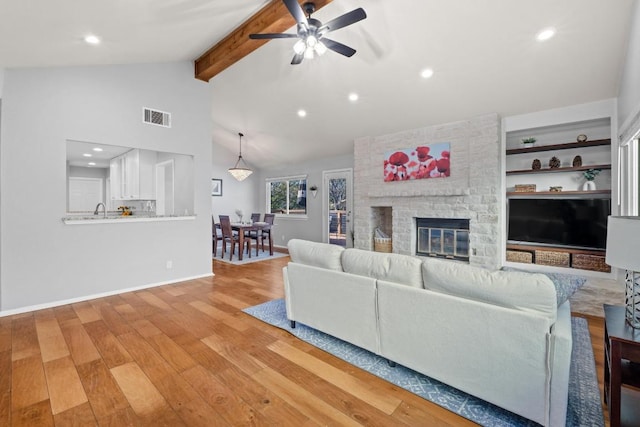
<point>45,261</point>
<point>311,227</point>
<point>1,91</point>
<point>235,195</point>
<point>629,91</point>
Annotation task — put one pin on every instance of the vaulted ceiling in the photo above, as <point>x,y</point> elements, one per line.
<point>483,54</point>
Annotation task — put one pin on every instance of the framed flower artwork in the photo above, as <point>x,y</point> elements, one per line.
<point>425,161</point>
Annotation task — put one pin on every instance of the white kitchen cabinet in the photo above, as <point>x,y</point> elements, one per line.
<point>132,175</point>
<point>115,177</point>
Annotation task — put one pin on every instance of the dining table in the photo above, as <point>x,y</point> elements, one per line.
<point>256,226</point>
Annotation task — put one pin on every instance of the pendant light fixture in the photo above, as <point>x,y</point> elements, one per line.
<point>240,171</point>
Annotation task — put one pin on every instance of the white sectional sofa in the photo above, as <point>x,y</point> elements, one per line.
<point>497,335</point>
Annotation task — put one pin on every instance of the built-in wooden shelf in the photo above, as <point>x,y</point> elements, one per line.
<point>567,146</point>
<point>528,247</point>
<point>558,193</point>
<point>554,170</point>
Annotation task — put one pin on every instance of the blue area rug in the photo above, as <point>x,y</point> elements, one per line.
<point>584,396</point>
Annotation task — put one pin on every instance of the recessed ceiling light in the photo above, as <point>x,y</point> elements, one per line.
<point>302,113</point>
<point>353,97</point>
<point>426,73</point>
<point>92,163</point>
<point>87,155</point>
<point>91,39</point>
<point>98,149</point>
<point>546,34</point>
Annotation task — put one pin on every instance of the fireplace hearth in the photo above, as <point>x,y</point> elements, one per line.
<point>443,238</point>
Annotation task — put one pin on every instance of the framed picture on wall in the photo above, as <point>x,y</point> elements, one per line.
<point>216,187</point>
<point>425,161</point>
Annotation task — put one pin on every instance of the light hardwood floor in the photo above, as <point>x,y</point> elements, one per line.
<point>184,354</point>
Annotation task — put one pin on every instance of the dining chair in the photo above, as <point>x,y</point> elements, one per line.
<point>229,236</point>
<point>254,234</point>
<point>266,232</point>
<point>216,235</point>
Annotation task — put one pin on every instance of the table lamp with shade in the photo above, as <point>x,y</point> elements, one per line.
<point>623,251</point>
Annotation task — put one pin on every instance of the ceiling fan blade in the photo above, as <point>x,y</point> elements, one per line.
<point>297,58</point>
<point>272,36</point>
<point>338,47</point>
<point>296,11</point>
<point>343,20</point>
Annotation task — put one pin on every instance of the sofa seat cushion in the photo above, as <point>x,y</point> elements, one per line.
<point>511,289</point>
<point>322,255</point>
<point>396,268</point>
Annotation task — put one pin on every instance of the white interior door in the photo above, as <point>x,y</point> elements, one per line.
<point>84,194</point>
<point>337,203</point>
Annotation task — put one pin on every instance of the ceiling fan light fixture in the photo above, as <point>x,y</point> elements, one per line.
<point>311,31</point>
<point>240,171</point>
<point>299,47</point>
<point>308,53</point>
<point>311,41</point>
<point>320,48</point>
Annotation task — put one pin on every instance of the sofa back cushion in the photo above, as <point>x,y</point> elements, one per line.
<point>321,255</point>
<point>402,269</point>
<point>523,291</point>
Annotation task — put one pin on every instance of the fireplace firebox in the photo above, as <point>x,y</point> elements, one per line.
<point>443,238</point>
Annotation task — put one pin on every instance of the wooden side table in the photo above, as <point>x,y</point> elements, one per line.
<point>621,350</point>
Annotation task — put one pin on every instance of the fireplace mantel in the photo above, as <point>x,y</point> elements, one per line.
<point>393,192</point>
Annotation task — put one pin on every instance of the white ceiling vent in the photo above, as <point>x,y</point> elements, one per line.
<point>155,117</point>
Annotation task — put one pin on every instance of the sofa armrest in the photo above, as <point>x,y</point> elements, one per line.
<point>560,358</point>
<point>340,304</point>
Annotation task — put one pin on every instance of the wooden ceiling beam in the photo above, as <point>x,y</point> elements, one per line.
<point>273,18</point>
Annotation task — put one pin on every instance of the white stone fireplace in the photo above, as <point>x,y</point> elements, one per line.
<point>472,191</point>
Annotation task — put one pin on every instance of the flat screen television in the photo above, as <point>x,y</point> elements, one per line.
<point>570,223</point>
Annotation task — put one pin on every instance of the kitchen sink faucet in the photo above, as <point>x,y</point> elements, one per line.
<point>98,209</point>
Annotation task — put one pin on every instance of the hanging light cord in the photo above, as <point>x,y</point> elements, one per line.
<point>240,151</point>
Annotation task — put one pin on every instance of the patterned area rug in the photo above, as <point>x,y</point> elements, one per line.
<point>262,256</point>
<point>584,396</point>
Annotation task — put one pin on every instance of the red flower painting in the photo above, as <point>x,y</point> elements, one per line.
<point>426,161</point>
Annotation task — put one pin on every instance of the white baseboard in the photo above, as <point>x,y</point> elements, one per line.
<point>27,309</point>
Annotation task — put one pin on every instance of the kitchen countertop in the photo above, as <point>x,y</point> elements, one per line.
<point>84,219</point>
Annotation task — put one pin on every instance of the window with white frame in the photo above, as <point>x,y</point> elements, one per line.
<point>287,196</point>
<point>628,184</point>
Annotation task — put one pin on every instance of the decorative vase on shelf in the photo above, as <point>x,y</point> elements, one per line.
<point>590,175</point>
<point>536,165</point>
<point>554,162</point>
<point>577,161</point>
